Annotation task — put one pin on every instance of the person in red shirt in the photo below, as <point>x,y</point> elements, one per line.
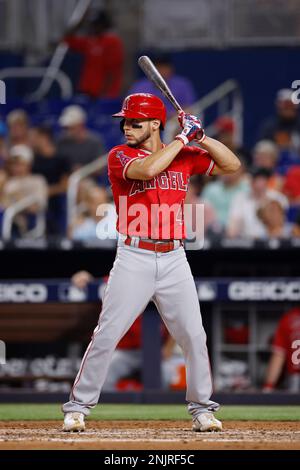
<point>286,352</point>
<point>291,185</point>
<point>149,183</point>
<point>127,358</point>
<point>103,57</point>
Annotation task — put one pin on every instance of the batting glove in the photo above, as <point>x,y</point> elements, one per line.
<point>192,128</point>
<point>183,117</point>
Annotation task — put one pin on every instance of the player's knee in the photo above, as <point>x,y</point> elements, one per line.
<point>189,341</point>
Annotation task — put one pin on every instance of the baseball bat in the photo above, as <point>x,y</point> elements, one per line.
<point>153,74</point>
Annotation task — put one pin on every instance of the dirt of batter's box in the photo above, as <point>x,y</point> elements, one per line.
<point>149,435</point>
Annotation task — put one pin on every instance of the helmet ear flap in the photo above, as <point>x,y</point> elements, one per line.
<point>122,122</point>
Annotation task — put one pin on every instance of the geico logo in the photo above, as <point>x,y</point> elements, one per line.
<point>276,290</point>
<point>23,293</point>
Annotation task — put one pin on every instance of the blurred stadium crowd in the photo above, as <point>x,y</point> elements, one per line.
<point>261,201</point>
<point>38,155</point>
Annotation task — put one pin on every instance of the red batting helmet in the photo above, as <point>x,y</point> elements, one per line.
<point>141,106</point>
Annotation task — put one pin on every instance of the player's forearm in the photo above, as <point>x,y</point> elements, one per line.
<point>152,165</point>
<point>275,368</point>
<point>224,158</point>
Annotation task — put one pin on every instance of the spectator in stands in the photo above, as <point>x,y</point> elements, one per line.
<point>47,162</point>
<point>3,148</point>
<point>296,226</point>
<point>77,144</point>
<point>221,192</point>
<point>103,58</point>
<point>91,225</point>
<point>3,178</point>
<point>22,183</point>
<point>265,155</point>
<point>272,213</point>
<point>291,186</point>
<point>3,153</point>
<point>127,358</point>
<point>286,353</point>
<point>182,88</point>
<point>18,126</point>
<point>194,197</point>
<point>55,169</point>
<point>243,221</point>
<point>84,188</point>
<point>224,130</point>
<point>284,130</point>
<point>284,127</point>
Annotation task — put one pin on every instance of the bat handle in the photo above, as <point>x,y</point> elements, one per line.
<point>176,105</point>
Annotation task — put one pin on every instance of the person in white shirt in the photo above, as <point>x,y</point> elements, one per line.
<point>99,221</point>
<point>243,219</point>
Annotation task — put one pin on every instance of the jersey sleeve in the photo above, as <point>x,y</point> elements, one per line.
<point>118,163</point>
<point>200,161</point>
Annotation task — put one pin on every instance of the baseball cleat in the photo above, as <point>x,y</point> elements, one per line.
<point>206,422</point>
<point>74,421</point>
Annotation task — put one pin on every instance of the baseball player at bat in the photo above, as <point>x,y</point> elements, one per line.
<point>148,178</point>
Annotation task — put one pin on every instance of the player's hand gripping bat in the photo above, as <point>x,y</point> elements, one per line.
<point>153,74</point>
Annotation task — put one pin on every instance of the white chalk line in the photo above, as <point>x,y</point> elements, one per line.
<point>87,441</point>
<point>146,431</point>
<point>171,435</point>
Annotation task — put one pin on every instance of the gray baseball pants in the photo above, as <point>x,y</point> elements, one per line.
<point>137,277</point>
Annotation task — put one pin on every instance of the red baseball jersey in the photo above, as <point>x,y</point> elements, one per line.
<point>286,337</point>
<point>154,208</point>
